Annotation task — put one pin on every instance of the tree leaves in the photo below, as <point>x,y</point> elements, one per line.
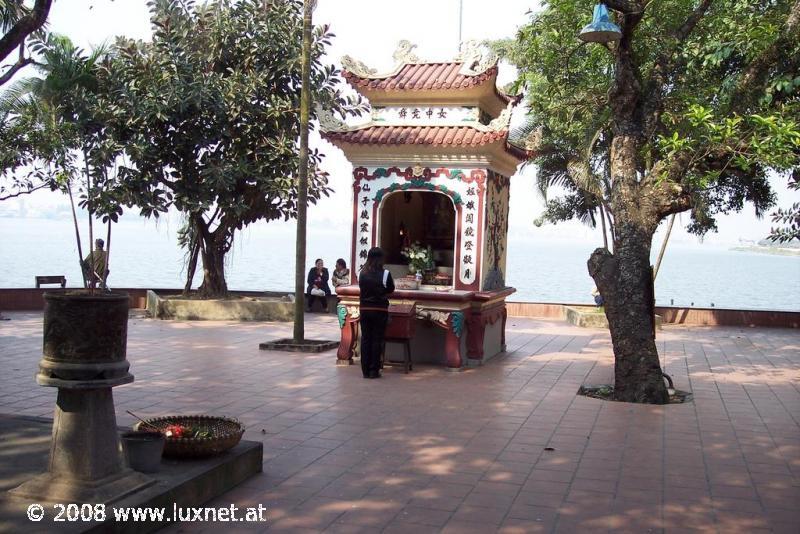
<point>209,112</point>
<point>698,138</point>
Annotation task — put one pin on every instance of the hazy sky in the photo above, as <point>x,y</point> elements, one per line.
<point>369,30</point>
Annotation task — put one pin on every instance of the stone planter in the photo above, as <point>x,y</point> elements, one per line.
<point>592,317</point>
<point>85,339</point>
<point>234,309</point>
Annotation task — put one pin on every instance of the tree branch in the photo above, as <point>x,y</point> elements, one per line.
<point>21,63</point>
<point>625,92</point>
<point>689,25</point>
<point>626,6</point>
<point>26,25</point>
<point>25,192</point>
<point>666,64</point>
<point>755,73</point>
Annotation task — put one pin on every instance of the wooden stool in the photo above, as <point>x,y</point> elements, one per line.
<point>400,329</point>
<point>406,361</point>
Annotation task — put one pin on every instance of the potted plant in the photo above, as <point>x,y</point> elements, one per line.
<point>420,258</point>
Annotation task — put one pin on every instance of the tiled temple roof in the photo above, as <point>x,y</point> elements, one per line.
<point>454,136</point>
<point>419,135</point>
<point>427,77</point>
<point>426,82</point>
<point>419,76</point>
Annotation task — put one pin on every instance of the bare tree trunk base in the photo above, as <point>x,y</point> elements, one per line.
<point>606,392</point>
<point>213,252</point>
<point>625,286</point>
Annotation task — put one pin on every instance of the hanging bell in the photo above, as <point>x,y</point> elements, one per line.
<point>601,29</point>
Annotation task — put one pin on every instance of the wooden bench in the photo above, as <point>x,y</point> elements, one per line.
<point>61,280</point>
<point>401,327</point>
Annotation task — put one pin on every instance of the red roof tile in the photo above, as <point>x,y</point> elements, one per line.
<point>423,76</point>
<point>465,136</point>
<point>418,135</point>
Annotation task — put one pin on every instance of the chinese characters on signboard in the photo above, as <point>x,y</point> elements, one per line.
<point>469,239</point>
<point>452,115</point>
<point>377,186</point>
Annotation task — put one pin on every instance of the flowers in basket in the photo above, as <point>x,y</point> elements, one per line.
<point>419,257</point>
<point>185,431</point>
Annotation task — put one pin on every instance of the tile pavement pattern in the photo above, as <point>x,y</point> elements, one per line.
<point>434,451</point>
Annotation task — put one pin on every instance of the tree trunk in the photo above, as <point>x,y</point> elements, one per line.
<point>92,274</point>
<point>302,177</point>
<point>663,246</point>
<point>212,251</point>
<point>625,281</point>
<point>77,234</point>
<point>191,267</point>
<point>107,269</point>
<point>603,224</point>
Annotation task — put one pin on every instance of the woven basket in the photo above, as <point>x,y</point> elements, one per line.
<point>225,434</point>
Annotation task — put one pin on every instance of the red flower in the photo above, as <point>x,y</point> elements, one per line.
<point>174,431</point>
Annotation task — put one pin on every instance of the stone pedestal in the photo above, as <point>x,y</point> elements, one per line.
<point>85,461</point>
<point>85,338</point>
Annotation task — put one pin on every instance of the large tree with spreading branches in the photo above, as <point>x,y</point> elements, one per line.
<point>691,110</point>
<point>208,113</point>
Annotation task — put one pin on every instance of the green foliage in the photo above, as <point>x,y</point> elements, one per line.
<point>30,137</point>
<point>55,128</point>
<point>209,111</point>
<point>725,114</point>
<point>204,119</point>
<point>788,218</point>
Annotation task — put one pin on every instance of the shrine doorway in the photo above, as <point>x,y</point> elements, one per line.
<point>427,217</point>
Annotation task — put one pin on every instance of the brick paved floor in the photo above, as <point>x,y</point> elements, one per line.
<point>435,451</point>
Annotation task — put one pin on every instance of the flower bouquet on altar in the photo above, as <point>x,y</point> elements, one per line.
<point>419,257</point>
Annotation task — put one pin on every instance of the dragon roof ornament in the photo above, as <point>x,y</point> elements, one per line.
<point>503,120</point>
<point>404,53</point>
<point>359,68</point>
<point>475,59</point>
<point>329,122</point>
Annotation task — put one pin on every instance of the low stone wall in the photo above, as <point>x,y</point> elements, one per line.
<point>30,299</point>
<point>673,315</point>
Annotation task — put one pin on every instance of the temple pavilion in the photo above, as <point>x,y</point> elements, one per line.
<point>431,168</point>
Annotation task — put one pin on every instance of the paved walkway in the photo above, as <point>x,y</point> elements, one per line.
<point>470,452</point>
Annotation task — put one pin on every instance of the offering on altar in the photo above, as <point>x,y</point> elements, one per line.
<point>407,282</point>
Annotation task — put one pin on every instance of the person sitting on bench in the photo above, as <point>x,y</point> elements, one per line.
<point>94,266</point>
<point>318,286</point>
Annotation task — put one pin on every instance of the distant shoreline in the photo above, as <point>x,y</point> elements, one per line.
<point>775,251</point>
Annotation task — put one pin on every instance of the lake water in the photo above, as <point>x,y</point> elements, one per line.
<point>145,255</point>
